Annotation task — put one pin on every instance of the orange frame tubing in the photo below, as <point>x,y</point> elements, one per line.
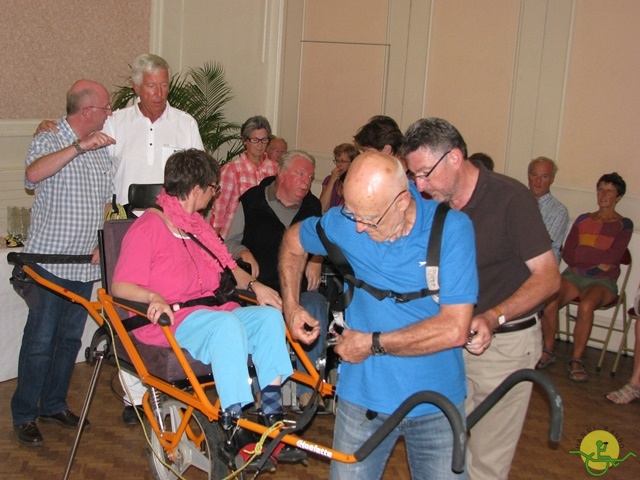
<point>198,400</point>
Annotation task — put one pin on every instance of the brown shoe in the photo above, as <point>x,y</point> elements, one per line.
<point>65,418</point>
<point>29,434</point>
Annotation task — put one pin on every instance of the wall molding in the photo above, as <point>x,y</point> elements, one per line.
<point>18,128</point>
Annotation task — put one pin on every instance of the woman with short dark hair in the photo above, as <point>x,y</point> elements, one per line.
<point>593,251</point>
<point>174,261</point>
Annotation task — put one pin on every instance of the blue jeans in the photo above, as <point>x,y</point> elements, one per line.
<point>314,303</point>
<point>50,343</point>
<point>428,438</point>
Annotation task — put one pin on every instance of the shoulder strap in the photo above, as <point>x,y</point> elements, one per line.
<point>432,268</point>
<point>432,271</point>
<point>225,270</point>
<point>342,265</point>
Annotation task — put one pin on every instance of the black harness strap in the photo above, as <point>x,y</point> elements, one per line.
<point>432,267</point>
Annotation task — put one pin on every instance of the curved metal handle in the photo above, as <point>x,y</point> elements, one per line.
<point>444,404</point>
<point>555,430</point>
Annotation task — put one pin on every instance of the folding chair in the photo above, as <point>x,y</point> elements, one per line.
<point>619,303</point>
<point>624,348</point>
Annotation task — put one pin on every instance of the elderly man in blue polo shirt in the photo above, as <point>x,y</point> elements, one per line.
<point>391,349</point>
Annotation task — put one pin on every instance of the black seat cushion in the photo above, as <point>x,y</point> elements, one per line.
<point>161,361</point>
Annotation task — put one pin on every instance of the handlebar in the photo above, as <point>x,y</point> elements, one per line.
<point>555,430</point>
<point>444,404</point>
<point>21,259</point>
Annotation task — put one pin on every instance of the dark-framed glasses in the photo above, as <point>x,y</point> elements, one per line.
<point>216,187</point>
<point>424,176</point>
<point>340,161</point>
<point>256,140</point>
<point>366,223</point>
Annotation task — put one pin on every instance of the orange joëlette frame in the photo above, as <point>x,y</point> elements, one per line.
<point>197,400</point>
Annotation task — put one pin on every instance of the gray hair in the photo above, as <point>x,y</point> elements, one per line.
<point>77,99</point>
<point>145,63</point>
<point>541,160</point>
<point>435,134</point>
<point>288,157</point>
<point>254,123</point>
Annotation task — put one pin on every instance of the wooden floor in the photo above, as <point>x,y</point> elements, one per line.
<point>112,450</point>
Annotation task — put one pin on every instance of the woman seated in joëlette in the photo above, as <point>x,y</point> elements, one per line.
<point>162,265</point>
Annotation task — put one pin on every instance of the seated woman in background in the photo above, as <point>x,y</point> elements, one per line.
<point>162,265</point>
<point>330,196</point>
<point>593,250</point>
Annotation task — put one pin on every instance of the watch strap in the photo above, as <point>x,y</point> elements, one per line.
<point>501,318</point>
<point>79,149</point>
<point>376,348</point>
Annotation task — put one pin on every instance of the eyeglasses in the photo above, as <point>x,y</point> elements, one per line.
<point>424,176</point>
<point>107,108</point>
<point>337,161</point>
<point>367,224</point>
<point>264,140</point>
<point>216,187</point>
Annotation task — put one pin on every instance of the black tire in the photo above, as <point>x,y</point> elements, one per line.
<point>190,456</point>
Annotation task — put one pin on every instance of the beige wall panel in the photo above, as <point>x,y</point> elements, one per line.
<point>601,117</point>
<point>470,70</point>
<point>353,21</point>
<point>408,65</point>
<point>239,34</point>
<point>49,45</point>
<point>335,102</point>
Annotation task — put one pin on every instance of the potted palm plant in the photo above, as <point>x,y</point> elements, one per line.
<point>203,93</point>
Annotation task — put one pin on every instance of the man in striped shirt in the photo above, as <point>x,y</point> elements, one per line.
<point>541,173</point>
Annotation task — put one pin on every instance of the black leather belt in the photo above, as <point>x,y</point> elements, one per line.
<point>516,326</point>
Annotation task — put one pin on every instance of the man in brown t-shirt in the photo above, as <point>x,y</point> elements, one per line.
<point>517,273</point>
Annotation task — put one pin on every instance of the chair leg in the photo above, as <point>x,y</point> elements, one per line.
<point>605,344</point>
<point>623,341</point>
<point>83,413</point>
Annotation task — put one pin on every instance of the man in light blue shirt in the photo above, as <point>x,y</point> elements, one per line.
<point>541,173</point>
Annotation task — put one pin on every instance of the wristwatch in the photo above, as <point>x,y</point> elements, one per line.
<point>76,144</point>
<point>376,348</point>
<point>501,318</point>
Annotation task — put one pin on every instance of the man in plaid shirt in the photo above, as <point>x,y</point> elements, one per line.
<point>70,172</point>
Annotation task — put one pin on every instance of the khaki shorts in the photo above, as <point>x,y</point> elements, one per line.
<point>582,282</point>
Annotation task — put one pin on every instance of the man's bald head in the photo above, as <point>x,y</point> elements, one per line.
<point>83,93</point>
<point>377,198</point>
<point>374,177</point>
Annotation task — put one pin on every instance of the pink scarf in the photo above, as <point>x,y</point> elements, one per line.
<point>195,224</point>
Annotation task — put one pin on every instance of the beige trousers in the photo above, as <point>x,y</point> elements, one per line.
<point>493,440</point>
